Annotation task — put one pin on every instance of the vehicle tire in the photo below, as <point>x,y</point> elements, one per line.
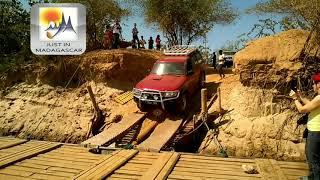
<point>182,104</point>
<point>202,80</point>
<point>142,107</point>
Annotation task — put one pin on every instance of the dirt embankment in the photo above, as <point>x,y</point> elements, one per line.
<point>278,60</point>
<point>263,120</point>
<point>34,103</point>
<point>259,124</point>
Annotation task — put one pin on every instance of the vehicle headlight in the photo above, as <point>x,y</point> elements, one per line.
<point>170,94</point>
<point>136,92</point>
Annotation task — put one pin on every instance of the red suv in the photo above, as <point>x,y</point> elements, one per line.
<point>172,80</point>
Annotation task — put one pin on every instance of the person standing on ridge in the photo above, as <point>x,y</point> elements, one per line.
<point>150,43</point>
<point>142,43</point>
<point>214,60</point>
<point>116,29</point>
<point>135,35</point>
<point>158,42</point>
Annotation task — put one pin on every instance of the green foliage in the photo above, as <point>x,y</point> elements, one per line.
<point>297,13</point>
<point>14,28</point>
<point>184,21</point>
<point>99,14</point>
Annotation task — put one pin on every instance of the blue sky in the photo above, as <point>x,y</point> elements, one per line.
<point>217,37</point>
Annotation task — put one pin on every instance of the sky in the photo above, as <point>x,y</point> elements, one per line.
<point>217,37</point>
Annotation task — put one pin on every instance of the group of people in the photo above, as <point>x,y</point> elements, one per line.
<point>141,43</point>
<point>221,61</point>
<point>112,38</point>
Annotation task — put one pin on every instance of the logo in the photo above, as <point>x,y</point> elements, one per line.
<point>58,29</point>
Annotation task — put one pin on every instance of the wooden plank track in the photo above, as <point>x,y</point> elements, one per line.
<point>162,167</point>
<point>124,98</point>
<point>9,142</point>
<point>136,167</point>
<point>116,130</point>
<point>108,165</point>
<point>26,153</point>
<point>161,135</point>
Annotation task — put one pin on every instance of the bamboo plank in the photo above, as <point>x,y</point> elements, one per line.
<point>59,169</point>
<point>141,162</point>
<point>128,172</point>
<point>124,176</point>
<point>206,176</point>
<point>133,165</point>
<point>47,176</point>
<point>15,172</point>
<point>54,164</point>
<point>12,143</point>
<point>13,177</point>
<point>13,158</point>
<point>292,166</point>
<point>83,155</point>
<point>187,156</point>
<point>212,167</point>
<point>90,158</point>
<point>214,172</point>
<point>296,172</point>
<point>31,165</point>
<point>72,159</point>
<point>202,161</point>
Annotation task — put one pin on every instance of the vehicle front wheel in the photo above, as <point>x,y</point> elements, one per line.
<point>142,107</point>
<point>182,104</point>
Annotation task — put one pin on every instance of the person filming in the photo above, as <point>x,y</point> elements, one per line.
<point>312,107</point>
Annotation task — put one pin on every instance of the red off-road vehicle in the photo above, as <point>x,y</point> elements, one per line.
<point>172,80</point>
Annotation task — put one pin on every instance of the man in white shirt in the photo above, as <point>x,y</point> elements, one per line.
<point>221,61</point>
<point>116,30</point>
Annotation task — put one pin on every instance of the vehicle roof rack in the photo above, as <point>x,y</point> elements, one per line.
<point>180,50</point>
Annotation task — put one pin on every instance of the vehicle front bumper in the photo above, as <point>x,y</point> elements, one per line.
<point>160,101</point>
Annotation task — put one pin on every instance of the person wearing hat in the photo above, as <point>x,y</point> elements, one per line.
<point>312,107</point>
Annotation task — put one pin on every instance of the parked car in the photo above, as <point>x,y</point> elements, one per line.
<point>172,81</point>
<point>229,58</point>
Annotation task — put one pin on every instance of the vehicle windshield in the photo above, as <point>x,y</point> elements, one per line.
<point>163,68</point>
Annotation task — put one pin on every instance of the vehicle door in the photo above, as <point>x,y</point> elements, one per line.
<point>192,75</point>
<point>198,66</point>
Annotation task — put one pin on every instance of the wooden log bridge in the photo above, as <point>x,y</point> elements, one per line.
<point>27,160</point>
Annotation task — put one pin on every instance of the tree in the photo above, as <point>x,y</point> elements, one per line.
<point>184,21</point>
<point>296,13</point>
<point>99,14</point>
<point>14,27</point>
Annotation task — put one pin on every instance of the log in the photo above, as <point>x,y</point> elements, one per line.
<point>204,100</point>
